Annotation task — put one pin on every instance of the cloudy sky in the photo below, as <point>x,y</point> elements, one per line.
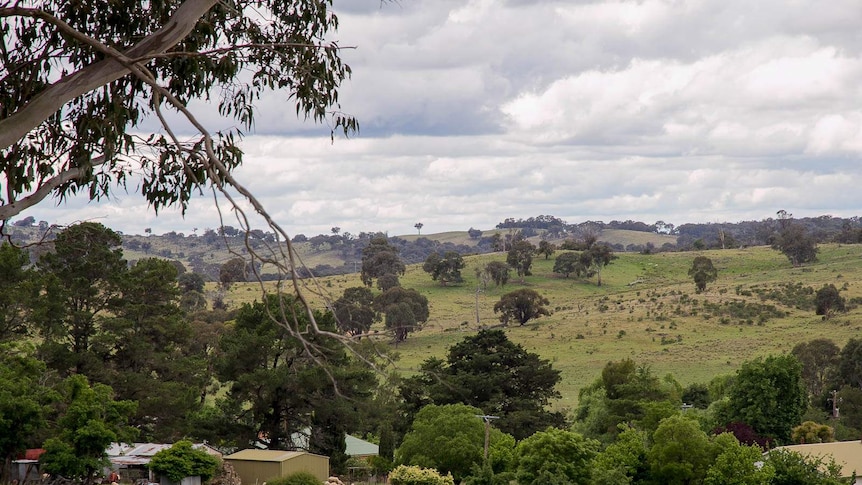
<point>472,111</point>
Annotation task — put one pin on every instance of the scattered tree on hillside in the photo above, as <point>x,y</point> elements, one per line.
<point>354,311</point>
<point>828,301</point>
<point>596,257</point>
<point>498,271</point>
<point>232,271</point>
<point>703,272</point>
<point>521,306</point>
<point>546,248</point>
<point>405,310</point>
<point>419,227</point>
<point>794,240</point>
<point>571,262</point>
<point>520,257</point>
<point>474,233</point>
<point>380,258</point>
<point>446,268</point>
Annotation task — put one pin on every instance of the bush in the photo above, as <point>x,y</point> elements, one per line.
<point>298,478</point>
<point>181,460</point>
<point>414,475</point>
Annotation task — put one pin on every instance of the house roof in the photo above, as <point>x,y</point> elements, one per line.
<point>264,455</point>
<point>141,453</point>
<point>847,454</point>
<point>360,447</point>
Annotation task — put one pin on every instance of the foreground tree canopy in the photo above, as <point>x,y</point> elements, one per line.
<point>77,77</point>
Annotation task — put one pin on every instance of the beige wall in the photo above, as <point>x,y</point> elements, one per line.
<point>258,472</point>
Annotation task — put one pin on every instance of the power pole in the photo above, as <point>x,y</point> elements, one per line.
<point>487,420</point>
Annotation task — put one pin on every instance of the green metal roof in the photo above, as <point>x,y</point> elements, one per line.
<point>359,447</point>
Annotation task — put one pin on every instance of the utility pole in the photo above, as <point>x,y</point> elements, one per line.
<point>487,420</point>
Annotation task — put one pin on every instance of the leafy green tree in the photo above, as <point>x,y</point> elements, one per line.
<point>191,282</point>
<point>546,248</point>
<point>681,452</point>
<point>405,309</point>
<point>555,456</point>
<point>850,363</point>
<point>490,372</point>
<point>152,357</point>
<point>623,461</point>
<point>498,272</point>
<point>794,241</point>
<point>72,105</point>
<point>354,311</point>
<point>520,257</point>
<point>18,291</point>
<point>570,262</point>
<point>23,404</point>
<point>521,306</point>
<point>82,285</point>
<point>792,468</point>
<point>828,302</point>
<point>277,386</point>
<point>703,272</point>
<point>769,396</point>
<point>739,464</point>
<point>624,393</point>
<point>89,421</point>
<point>819,359</point>
<point>182,460</point>
<point>449,438</point>
<point>597,257</point>
<point>446,268</point>
<point>379,258</point>
<point>232,271</point>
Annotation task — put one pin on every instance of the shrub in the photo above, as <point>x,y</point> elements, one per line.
<point>414,475</point>
<point>181,460</point>
<point>298,478</point>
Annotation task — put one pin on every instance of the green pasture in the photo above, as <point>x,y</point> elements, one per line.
<point>646,310</point>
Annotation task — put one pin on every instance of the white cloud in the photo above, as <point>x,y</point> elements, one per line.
<point>472,111</point>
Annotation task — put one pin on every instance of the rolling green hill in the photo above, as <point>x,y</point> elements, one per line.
<point>647,310</point>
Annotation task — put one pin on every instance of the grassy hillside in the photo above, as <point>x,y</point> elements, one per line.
<point>646,310</point>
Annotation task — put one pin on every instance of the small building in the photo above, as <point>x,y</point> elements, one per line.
<point>25,468</point>
<point>255,467</point>
<point>359,448</point>
<point>847,454</point>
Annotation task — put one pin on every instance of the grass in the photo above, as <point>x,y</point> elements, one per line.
<point>646,310</point>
